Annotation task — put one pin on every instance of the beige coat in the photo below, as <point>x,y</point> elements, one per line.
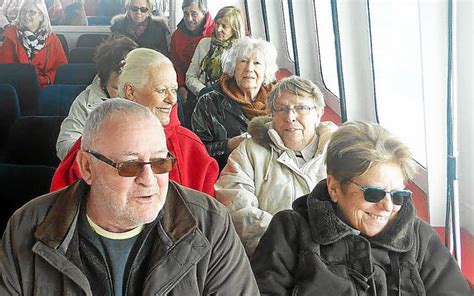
<point>262,178</point>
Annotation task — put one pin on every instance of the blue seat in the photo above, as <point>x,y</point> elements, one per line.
<point>56,99</point>
<point>64,43</point>
<point>32,140</point>
<point>98,20</point>
<point>20,184</point>
<point>9,111</point>
<point>76,74</point>
<point>91,40</point>
<point>24,79</point>
<point>82,55</point>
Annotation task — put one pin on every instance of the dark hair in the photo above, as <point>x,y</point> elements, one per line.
<point>110,54</point>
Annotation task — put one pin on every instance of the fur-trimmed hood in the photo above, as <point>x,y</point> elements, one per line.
<point>262,131</point>
<point>327,227</point>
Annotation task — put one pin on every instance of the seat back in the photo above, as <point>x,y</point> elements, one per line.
<point>63,41</point>
<point>91,40</point>
<point>32,140</point>
<point>56,99</point>
<point>76,74</point>
<point>82,55</point>
<point>20,184</point>
<point>24,79</point>
<point>98,20</point>
<point>9,111</point>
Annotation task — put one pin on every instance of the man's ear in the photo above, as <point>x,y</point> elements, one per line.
<point>83,160</point>
<point>334,188</point>
<point>129,92</point>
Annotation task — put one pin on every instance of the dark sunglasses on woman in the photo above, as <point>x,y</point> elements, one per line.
<point>136,8</point>
<point>375,194</point>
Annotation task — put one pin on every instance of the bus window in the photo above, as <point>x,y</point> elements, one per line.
<point>286,19</point>
<point>398,71</point>
<point>327,50</point>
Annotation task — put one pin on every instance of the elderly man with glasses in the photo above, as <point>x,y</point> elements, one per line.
<point>283,159</point>
<point>124,229</point>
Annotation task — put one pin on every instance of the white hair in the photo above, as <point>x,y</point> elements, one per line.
<point>41,6</point>
<point>244,47</point>
<point>111,107</point>
<point>135,70</point>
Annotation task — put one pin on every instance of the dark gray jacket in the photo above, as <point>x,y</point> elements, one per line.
<point>311,251</point>
<point>216,119</point>
<point>203,254</point>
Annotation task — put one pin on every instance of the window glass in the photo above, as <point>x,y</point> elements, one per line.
<point>286,19</point>
<point>327,50</point>
<point>398,69</point>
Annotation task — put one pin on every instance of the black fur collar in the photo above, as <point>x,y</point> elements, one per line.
<point>327,227</point>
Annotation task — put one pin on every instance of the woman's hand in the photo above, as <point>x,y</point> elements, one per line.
<point>233,142</point>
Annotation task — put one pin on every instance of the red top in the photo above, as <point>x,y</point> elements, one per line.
<point>194,168</point>
<point>46,61</point>
<point>182,46</point>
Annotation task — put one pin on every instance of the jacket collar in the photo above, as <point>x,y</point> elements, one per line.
<point>57,228</point>
<point>262,131</point>
<point>205,31</point>
<point>327,227</point>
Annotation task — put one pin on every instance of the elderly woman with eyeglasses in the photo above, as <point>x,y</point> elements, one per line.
<point>222,115</point>
<point>148,78</point>
<point>357,232</point>
<point>141,26</point>
<point>283,159</point>
<point>30,40</point>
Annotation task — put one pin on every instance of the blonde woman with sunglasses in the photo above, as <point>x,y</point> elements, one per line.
<point>141,26</point>
<point>357,232</point>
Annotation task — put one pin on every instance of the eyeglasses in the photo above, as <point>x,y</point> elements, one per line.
<point>137,8</point>
<point>31,13</point>
<point>134,168</point>
<point>298,109</point>
<point>375,194</point>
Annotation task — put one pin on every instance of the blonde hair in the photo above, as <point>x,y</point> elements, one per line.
<point>358,146</point>
<point>149,5</point>
<point>136,67</point>
<point>234,15</point>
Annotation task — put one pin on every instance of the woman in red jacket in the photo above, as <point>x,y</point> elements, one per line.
<point>30,40</point>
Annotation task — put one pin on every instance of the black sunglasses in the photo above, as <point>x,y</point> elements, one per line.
<point>376,194</point>
<point>134,168</point>
<point>136,8</point>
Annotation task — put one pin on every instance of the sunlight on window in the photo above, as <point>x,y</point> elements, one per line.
<point>398,71</point>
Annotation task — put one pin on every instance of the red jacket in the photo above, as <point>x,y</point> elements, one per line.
<point>182,46</point>
<point>46,61</point>
<point>194,168</point>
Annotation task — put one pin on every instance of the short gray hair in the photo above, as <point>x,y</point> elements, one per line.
<point>137,63</point>
<point>201,3</point>
<point>110,108</point>
<point>358,146</point>
<point>244,47</point>
<point>298,86</point>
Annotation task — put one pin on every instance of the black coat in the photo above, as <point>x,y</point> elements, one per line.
<point>156,35</point>
<point>311,251</point>
<point>217,118</point>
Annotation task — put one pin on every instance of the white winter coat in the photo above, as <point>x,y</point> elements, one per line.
<point>72,126</point>
<point>262,178</point>
<point>195,80</point>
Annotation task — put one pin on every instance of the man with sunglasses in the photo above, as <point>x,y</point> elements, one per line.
<point>124,229</point>
<point>357,232</point>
